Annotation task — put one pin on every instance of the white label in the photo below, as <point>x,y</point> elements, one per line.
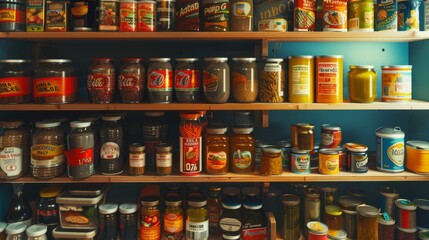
<point>300,80</point>
<point>197,230</point>
<point>110,150</point>
<point>230,224</point>
<point>272,67</point>
<point>11,161</point>
<point>164,159</point>
<point>137,160</point>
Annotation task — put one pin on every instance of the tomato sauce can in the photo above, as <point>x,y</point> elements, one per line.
<point>300,161</point>
<point>317,231</point>
<point>331,136</point>
<point>357,157</point>
<point>334,15</point>
<point>128,13</point>
<point>386,15</point>
<point>329,161</point>
<point>361,15</point>
<point>390,149</point>
<point>146,21</point>
<point>408,15</point>
<point>396,83</point>
<point>329,79</point>
<point>304,15</point>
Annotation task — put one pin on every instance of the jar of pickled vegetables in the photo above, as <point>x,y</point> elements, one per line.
<point>362,83</point>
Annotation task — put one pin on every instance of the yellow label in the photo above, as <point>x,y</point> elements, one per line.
<point>173,223</point>
<point>47,155</point>
<point>7,15</point>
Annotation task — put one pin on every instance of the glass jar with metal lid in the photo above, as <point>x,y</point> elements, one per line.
<point>306,137</point>
<point>128,221</point>
<point>137,159</point>
<point>37,232</point>
<point>80,153</point>
<point>14,153</point>
<point>362,83</point>
<point>333,217</point>
<point>173,219</point>
<point>216,149</point>
<point>252,213</point>
<point>155,131</point>
<point>242,150</point>
<point>47,150</point>
<point>132,80</point>
<point>230,219</point>
<point>216,80</point>
<point>197,221</point>
<point>108,223</point>
<point>272,82</point>
<point>16,231</point>
<point>164,159</point>
<point>17,78</point>
<point>187,83</point>
<point>271,161</point>
<point>150,218</point>
<point>101,82</point>
<point>290,217</point>
<point>160,80</point>
<point>367,225</point>
<point>312,205</point>
<point>331,136</point>
<point>14,17</point>
<point>348,205</point>
<point>55,81</point>
<point>244,80</point>
<point>111,145</point>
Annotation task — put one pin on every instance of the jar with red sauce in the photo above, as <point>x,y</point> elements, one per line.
<point>101,80</point>
<point>131,80</point>
<point>331,136</point>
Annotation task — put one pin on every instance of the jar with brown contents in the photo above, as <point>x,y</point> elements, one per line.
<point>131,80</point>
<point>244,80</point>
<point>101,80</point>
<point>216,150</point>
<point>271,161</point>
<point>137,159</point>
<point>16,80</point>
<point>164,159</point>
<point>272,81</point>
<point>367,225</point>
<point>242,150</point>
<point>306,137</point>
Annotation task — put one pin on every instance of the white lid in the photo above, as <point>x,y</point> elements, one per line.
<point>47,124</point>
<point>186,59</point>
<point>274,60</point>
<point>80,124</point>
<point>36,230</point>
<point>127,208</point>
<point>154,114</point>
<point>2,226</point>
<point>111,118</point>
<point>159,59</point>
<point>108,208</point>
<point>231,237</point>
<point>16,228</point>
<point>244,59</point>
<point>216,59</point>
<point>83,234</point>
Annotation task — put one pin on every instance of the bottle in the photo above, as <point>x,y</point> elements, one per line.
<point>197,222</point>
<point>19,209</point>
<point>214,207</point>
<point>173,219</point>
<point>47,209</point>
<point>190,144</point>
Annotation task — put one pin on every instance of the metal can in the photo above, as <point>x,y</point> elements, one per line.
<point>422,213</point>
<point>304,15</point>
<point>146,21</point>
<point>317,231</point>
<point>108,15</point>
<point>314,156</point>
<point>405,214</point>
<point>331,136</point>
<point>286,147</point>
<point>386,16</point>
<point>300,161</point>
<point>342,152</point>
<point>329,79</point>
<point>357,157</point>
<point>12,17</point>
<point>329,161</point>
<point>188,15</point>
<point>408,15</point>
<point>165,15</point>
<point>128,13</point>
<point>362,83</point>
<point>216,15</point>
<point>306,137</point>
<point>334,16</point>
<point>390,149</point>
<point>361,15</point>
<point>387,200</point>
<point>301,79</point>
<point>160,80</point>
<point>396,83</point>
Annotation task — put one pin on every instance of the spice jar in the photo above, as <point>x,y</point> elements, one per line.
<point>47,208</point>
<point>111,142</point>
<point>128,221</point>
<point>386,227</point>
<point>160,80</point>
<point>271,161</point>
<point>17,77</point>
<point>47,164</point>
<point>362,83</point>
<point>331,136</point>
<point>164,159</point>
<point>108,223</point>
<point>190,144</point>
<point>37,232</point>
<point>16,231</point>
<point>272,82</point>
<point>290,217</point>
<point>173,219</point>
<point>131,80</point>
<point>187,82</point>
<point>312,205</point>
<point>216,151</point>
<point>306,137</point>
<point>155,131</point>
<point>137,159</point>
<point>333,217</point>
<point>230,219</point>
<point>101,80</point>
<point>367,225</point>
<point>242,150</point>
<point>244,80</point>
<point>216,80</point>
<point>150,227</point>
<point>55,81</point>
<point>197,222</point>
<point>165,15</point>
<point>14,153</point>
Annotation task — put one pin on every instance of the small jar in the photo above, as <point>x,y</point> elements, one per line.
<point>367,225</point>
<point>386,227</point>
<point>216,80</point>
<point>17,75</point>
<point>16,231</point>
<point>272,82</point>
<point>230,219</point>
<point>294,133</point>
<point>101,80</point>
<point>216,144</point>
<point>164,159</point>
<point>47,208</point>
<point>173,219</point>
<point>187,81</point>
<point>137,159</point>
<point>128,221</point>
<point>242,150</point>
<point>37,232</point>
<point>290,217</point>
<point>150,218</point>
<point>111,145</point>
<point>108,223</point>
<point>131,80</point>
<point>160,80</point>
<point>252,213</point>
<point>244,79</point>
<point>306,137</point>
<point>80,153</point>
<point>312,205</point>
<point>331,136</point>
<point>271,161</point>
<point>333,217</point>
<point>362,83</point>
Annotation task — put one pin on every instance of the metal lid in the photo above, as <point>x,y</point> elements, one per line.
<point>215,189</point>
<point>299,151</point>
<point>337,235</point>
<point>317,228</point>
<point>128,208</point>
<point>422,203</point>
<point>290,200</point>
<point>349,202</point>
<point>356,147</point>
<point>385,219</point>
<point>47,124</point>
<point>396,66</point>
<point>82,29</point>
<point>173,202</point>
<point>228,237</point>
<point>252,203</point>
<point>272,192</point>
<point>244,130</point>
<point>274,60</point>
<point>333,210</point>
<point>330,56</point>
<point>159,59</point>
<point>54,61</point>
<point>133,60</point>
<point>312,193</point>
<point>11,123</point>
<point>329,151</point>
<point>216,59</point>
<point>50,192</point>
<point>284,143</point>
<point>108,208</point>
<point>388,132</point>
<point>2,226</point>
<point>330,127</point>
<point>138,147</point>
<point>154,114</point>
<point>197,202</point>
<point>16,228</point>
<point>111,118</point>
<point>15,61</point>
<point>164,147</point>
<point>216,130</point>
<point>251,59</point>
<point>407,230</point>
<point>186,59</point>
<point>150,201</point>
<point>231,203</point>
<point>301,56</point>
<point>250,191</point>
<point>418,144</point>
<point>389,192</point>
<point>79,124</point>
<point>367,210</point>
<point>424,235</point>
<point>370,67</point>
<point>271,149</point>
<point>405,204</point>
<point>36,230</point>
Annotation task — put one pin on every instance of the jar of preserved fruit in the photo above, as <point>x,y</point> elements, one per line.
<point>333,217</point>
<point>230,219</point>
<point>173,219</point>
<point>197,222</point>
<point>187,80</point>
<point>290,217</point>
<point>367,225</point>
<point>37,232</point>
<point>164,159</point>
<point>131,80</point>
<point>190,144</point>
<point>101,80</point>
<point>55,81</point>
<point>137,159</point>
<point>16,231</point>
<point>155,131</point>
<point>216,80</point>
<point>244,80</point>
<point>160,80</point>
<point>48,164</point>
<point>214,208</point>
<point>108,223</point>
<point>272,82</point>
<point>216,143</point>
<point>47,208</point>
<point>14,153</point>
<point>242,150</point>
<point>16,77</point>
<point>128,221</point>
<point>362,83</point>
<point>306,137</point>
<point>271,161</point>
<point>150,227</point>
<point>111,142</point>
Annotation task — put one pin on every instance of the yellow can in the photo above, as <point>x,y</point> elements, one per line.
<point>362,83</point>
<point>329,161</point>
<point>301,79</point>
<point>396,83</point>
<point>329,79</point>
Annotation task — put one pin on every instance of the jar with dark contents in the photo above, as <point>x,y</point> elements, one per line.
<point>244,80</point>
<point>137,159</point>
<point>95,127</point>
<point>165,15</point>
<point>55,82</point>
<point>406,233</point>
<point>306,137</point>
<point>111,145</point>
<point>216,80</point>
<point>47,208</point>
<point>16,77</point>
<point>252,213</point>
<point>16,231</point>
<point>128,221</point>
<point>187,80</point>
<point>160,80</point>
<point>242,150</point>
<point>131,80</point>
<point>101,80</point>
<point>290,217</point>
<point>13,19</point>
<point>333,217</point>
<point>386,227</point>
<point>14,149</point>
<point>155,131</point>
<point>108,221</point>
<point>47,150</point>
<point>230,219</point>
<point>173,219</point>
<point>164,159</point>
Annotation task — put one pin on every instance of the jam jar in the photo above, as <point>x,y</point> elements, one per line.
<point>244,80</point>
<point>242,150</point>
<point>216,80</point>
<point>216,150</point>
<point>55,81</point>
<point>160,80</point>
<point>16,81</point>
<point>131,80</point>
<point>187,80</point>
<point>101,80</point>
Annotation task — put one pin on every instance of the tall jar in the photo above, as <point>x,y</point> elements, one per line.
<point>214,208</point>
<point>131,80</point>
<point>197,222</point>
<point>216,150</point>
<point>216,15</point>
<point>244,80</point>
<point>216,80</point>
<point>101,80</point>
<point>187,82</point>
<point>386,227</point>
<point>128,221</point>
<point>272,82</point>
<point>150,227</point>
<point>290,217</point>
<point>362,83</point>
<point>173,219</point>
<point>312,205</point>
<point>108,221</point>
<point>242,150</point>
<point>18,76</point>
<point>95,127</point>
<point>111,145</point>
<point>47,208</point>
<point>160,80</point>
<point>48,164</point>
<point>155,131</point>
<point>14,153</point>
<point>230,218</point>
<point>190,144</point>
<point>367,225</point>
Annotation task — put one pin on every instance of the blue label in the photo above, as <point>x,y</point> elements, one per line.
<point>390,153</point>
<point>300,163</point>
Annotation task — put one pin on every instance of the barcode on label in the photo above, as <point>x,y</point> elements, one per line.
<point>197,230</point>
<point>386,91</point>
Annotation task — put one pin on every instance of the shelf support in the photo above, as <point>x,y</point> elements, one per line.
<point>261,118</point>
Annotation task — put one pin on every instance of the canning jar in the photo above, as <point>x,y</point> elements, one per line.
<point>329,79</point>
<point>333,217</point>
<point>216,80</point>
<point>230,218</point>
<point>47,208</point>
<point>155,131</point>
<point>294,133</point>
<point>16,231</point>
<point>14,17</point>
<point>164,159</point>
<point>306,137</point>
<point>197,222</point>
<point>214,208</point>
<point>301,79</point>
<point>216,150</point>
<point>131,80</point>
<point>242,150</point>
<point>160,80</point>
<point>272,82</point>
<point>55,81</point>
<point>330,135</point>
<point>101,80</point>
<point>137,157</point>
<point>242,119</point>
<point>367,225</point>
<point>111,145</point>
<point>165,15</point>
<point>290,217</point>
<point>95,127</point>
<point>47,150</point>
<point>128,221</point>
<point>16,77</point>
<point>14,153</point>
<point>271,161</point>
<point>108,223</point>
<point>312,205</point>
<point>386,227</point>
<point>190,144</point>
<point>150,218</point>
<point>187,82</point>
<point>173,219</point>
<point>362,83</point>
<point>37,232</point>
<point>244,80</point>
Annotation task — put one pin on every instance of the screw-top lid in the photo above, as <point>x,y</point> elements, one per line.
<point>16,228</point>
<point>2,226</point>
<point>111,118</point>
<point>108,208</point>
<point>54,61</point>
<point>356,192</point>
<point>252,203</point>
<point>164,147</point>
<point>50,192</point>
<point>47,124</point>
<point>367,210</point>
<point>133,60</point>
<point>356,147</point>
<point>244,130</point>
<point>370,67</point>
<point>251,59</point>
<point>274,60</point>
<point>127,208</point>
<point>284,144</point>
<point>385,219</point>
<point>405,204</point>
<point>329,151</point>
<point>79,124</point>
<point>186,59</point>
<point>197,202</point>
<point>138,147</point>
<point>337,235</point>
<point>15,61</point>
<point>271,149</point>
<point>317,228</point>
<point>36,230</point>
<point>150,201</point>
<point>215,189</point>
<point>216,59</point>
<point>312,193</point>
<point>330,127</point>
<point>349,202</point>
<point>232,237</point>
<point>231,203</point>
<point>333,210</point>
<point>216,130</point>
<point>290,200</point>
<point>173,202</point>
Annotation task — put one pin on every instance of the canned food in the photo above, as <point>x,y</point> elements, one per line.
<point>272,25</point>
<point>334,16</point>
<point>314,156</point>
<point>396,83</point>
<point>361,15</point>
<point>165,15</point>
<point>128,13</point>
<point>329,79</point>
<point>362,83</point>
<point>357,157</point>
<point>342,152</point>
<point>286,147</point>
<point>331,136</point>
<point>337,235</point>
<point>388,198</point>
<point>329,161</point>
<point>108,15</point>
<point>406,234</point>
<point>386,17</point>
<point>422,213</point>
<point>405,214</point>
<point>317,231</point>
<point>408,15</point>
<point>187,15</point>
<point>300,161</point>
<point>12,17</point>
<point>417,156</point>
<point>301,79</point>
<point>304,15</point>
<point>390,149</point>
<point>146,13</point>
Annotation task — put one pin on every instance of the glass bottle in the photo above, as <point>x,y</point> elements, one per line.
<point>111,142</point>
<point>197,222</point>
<point>190,144</point>
<point>242,150</point>
<point>150,226</point>
<point>173,219</point>
<point>214,207</point>
<point>19,209</point>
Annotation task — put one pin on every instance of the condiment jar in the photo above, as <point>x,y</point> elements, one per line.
<point>216,150</point>
<point>108,221</point>
<point>16,231</point>
<point>190,144</point>
<point>367,225</point>
<point>128,221</point>
<point>37,232</point>
<point>150,218</point>
<point>216,80</point>
<point>18,76</point>
<point>197,221</point>
<point>187,81</point>
<point>47,208</point>
<point>271,161</point>
<point>230,219</point>
<point>101,80</point>
<point>242,150</point>
<point>362,83</point>
<point>333,217</point>
<point>244,80</point>
<point>137,159</point>
<point>312,205</point>
<point>111,145</point>
<point>241,15</point>
<point>131,80</point>
<point>160,80</point>
<point>386,227</point>
<point>173,218</point>
<point>331,136</point>
<point>164,159</point>
<point>306,137</point>
<point>272,82</point>
<point>290,217</point>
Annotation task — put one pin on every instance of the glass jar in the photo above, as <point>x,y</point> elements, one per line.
<point>3,230</point>
<point>294,133</point>
<point>108,223</point>
<point>197,222</point>
<point>165,15</point>
<point>190,144</point>
<point>290,219</point>
<point>328,197</point>
<point>101,80</point>
<point>47,208</point>
<point>17,75</point>
<point>333,217</point>
<point>14,17</point>
<point>173,219</point>
<point>242,150</point>
<point>111,145</point>
<point>271,199</point>
<point>312,205</point>
<point>306,137</point>
<point>331,136</point>
<point>16,231</point>
<point>272,82</point>
<point>137,159</point>
<point>95,127</point>
<point>362,83</point>
<point>329,87</point>
<point>214,208</point>
<point>187,82</point>
<point>271,161</point>
<point>37,232</point>
<point>80,153</point>
<point>244,80</point>
<point>150,218</point>
<point>230,218</point>
<point>55,82</point>
<point>155,131</point>
<point>216,143</point>
<point>14,153</point>
<point>160,80</point>
<point>367,225</point>
<point>216,80</point>
<point>131,80</point>
<point>47,164</point>
<point>252,213</point>
<point>164,159</point>
<point>128,221</point>
<point>386,227</point>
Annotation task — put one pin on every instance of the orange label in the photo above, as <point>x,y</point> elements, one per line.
<point>238,79</point>
<point>335,15</point>
<point>54,86</point>
<point>150,228</point>
<point>15,86</point>
<point>11,15</point>
<point>327,78</point>
<point>173,223</point>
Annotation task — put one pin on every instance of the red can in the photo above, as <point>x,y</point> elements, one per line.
<point>128,16</point>
<point>101,80</point>
<point>188,15</point>
<point>146,16</point>
<point>190,144</point>
<point>304,15</point>
<point>317,231</point>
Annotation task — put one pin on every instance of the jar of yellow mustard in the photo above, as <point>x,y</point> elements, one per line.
<point>362,83</point>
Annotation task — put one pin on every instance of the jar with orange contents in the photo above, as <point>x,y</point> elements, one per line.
<point>329,79</point>
<point>216,150</point>
<point>242,150</point>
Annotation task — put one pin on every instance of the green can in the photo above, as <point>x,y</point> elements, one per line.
<point>386,16</point>
<point>361,15</point>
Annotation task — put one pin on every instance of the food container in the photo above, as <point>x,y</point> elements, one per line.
<point>329,161</point>
<point>306,137</point>
<point>16,79</point>
<point>405,214</point>
<point>337,235</point>
<point>244,80</point>
<point>361,15</point>
<point>290,217</point>
<point>408,15</point>
<point>333,217</point>
<point>422,213</point>
<point>84,234</point>
<point>301,79</point>
<point>388,198</point>
<point>300,161</point>
<point>271,161</point>
<point>348,205</point>
<point>272,81</point>
<point>417,156</point>
<point>187,80</point>
<point>362,83</point>
<point>317,231</point>
<point>331,136</point>
<point>272,25</point>
<point>216,80</point>
<point>334,16</point>
<point>12,17</point>
<point>396,82</point>
<point>367,226</point>
<point>357,157</point>
<point>387,10</point>
<point>386,227</point>
<point>390,149</point>
<point>329,79</point>
<point>304,15</point>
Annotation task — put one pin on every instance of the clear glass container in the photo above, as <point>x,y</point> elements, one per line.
<point>164,159</point>
<point>362,83</point>
<point>131,80</point>
<point>101,82</point>
<point>16,231</point>
<point>216,80</point>
<point>216,150</point>
<point>160,80</point>
<point>80,153</point>
<point>18,75</point>
<point>244,80</point>
<point>312,205</point>
<point>137,159</point>
<point>187,83</point>
<point>272,82</point>
<point>271,161</point>
<point>173,219</point>
<point>230,218</point>
<point>197,221</point>
<point>150,218</point>
<point>37,232</point>
<point>155,131</point>
<point>214,208</point>
<point>111,145</point>
<point>333,217</point>
<point>290,220</point>
<point>242,150</point>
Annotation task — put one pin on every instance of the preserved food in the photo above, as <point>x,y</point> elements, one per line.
<point>150,228</point>
<point>230,219</point>
<point>197,222</point>
<point>301,79</point>
<point>216,152</point>
<point>271,161</point>
<point>155,131</point>
<point>101,80</point>
<point>331,136</point>
<point>188,15</point>
<point>241,15</point>
<point>137,159</point>
<point>131,80</point>
<point>244,79</point>
<point>216,80</point>
<point>214,208</point>
<point>367,225</point>
<point>108,227</point>
<point>190,144</point>
<point>187,80</point>
<point>272,81</point>
<point>396,83</point>
<point>165,15</point>
<point>164,159</point>
<point>108,19</point>
<point>242,150</point>
<point>111,142</point>
<point>306,137</point>
<point>47,209</point>
<point>362,83</point>
<point>290,212</point>
<point>16,81</point>
<point>128,221</point>
<point>329,79</point>
<point>216,15</point>
<point>333,217</point>
<point>13,16</point>
<point>37,232</point>
<point>173,219</point>
<point>127,13</point>
<point>146,14</point>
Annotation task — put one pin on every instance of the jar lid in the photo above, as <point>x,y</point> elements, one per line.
<point>388,132</point>
<point>301,56</point>
<point>385,219</point>
<point>396,66</point>
<point>244,130</point>
<point>133,60</point>
<point>250,191</point>
<point>356,147</point>
<point>329,151</point>
<point>367,210</point>
<point>333,210</point>
<point>312,193</point>
<point>231,191</point>
<point>127,208</point>
<point>274,60</point>
<point>54,61</point>
<point>82,29</point>
<point>330,56</point>
<point>271,149</point>
<point>251,59</point>
<point>159,59</point>
<point>80,124</point>
<point>11,124</point>
<point>190,115</point>
<point>252,203</point>
<point>389,192</point>
<point>216,59</point>
<point>173,202</point>
<point>154,114</point>
<point>50,192</point>
<point>284,143</point>
<point>16,228</point>
<point>407,230</point>
<point>111,118</point>
<point>306,127</point>
<point>106,60</point>
<point>186,59</point>
<point>164,147</point>
<point>231,203</point>
<point>197,202</point>
<point>424,235</point>
<point>418,144</point>
<point>15,61</point>
<point>90,118</point>
<point>299,151</point>
<point>2,226</point>
<point>317,228</point>
<point>108,208</point>
<point>47,124</point>
<point>138,147</point>
<point>290,200</point>
<point>150,201</point>
<point>329,189</point>
<point>356,192</point>
<point>36,230</point>
<point>228,237</point>
<point>337,235</point>
<point>370,67</point>
<point>422,203</point>
<point>349,202</point>
<point>330,127</point>
<point>216,130</point>
<point>215,189</point>
<point>405,204</point>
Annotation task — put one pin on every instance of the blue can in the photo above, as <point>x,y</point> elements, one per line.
<point>390,149</point>
<point>300,161</point>
<point>408,15</point>
<point>422,213</point>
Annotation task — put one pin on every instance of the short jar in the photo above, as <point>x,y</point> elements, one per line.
<point>271,161</point>
<point>137,159</point>
<point>362,83</point>
<point>16,231</point>
<point>17,75</point>
<point>37,232</point>
<point>333,217</point>
<point>164,159</point>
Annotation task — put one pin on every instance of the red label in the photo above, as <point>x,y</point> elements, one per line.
<point>160,80</point>
<point>12,15</point>
<point>47,213</point>
<point>78,157</point>
<point>146,17</point>
<point>128,81</point>
<point>187,15</point>
<point>15,86</point>
<point>128,17</point>
<point>210,81</point>
<point>187,79</point>
<point>190,155</point>
<point>150,228</point>
<point>54,86</point>
<point>97,81</point>
<point>254,233</point>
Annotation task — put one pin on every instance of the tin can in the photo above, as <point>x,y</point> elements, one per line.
<point>146,21</point>
<point>390,149</point>
<point>300,161</point>
<point>387,200</point>
<point>314,156</point>
<point>272,25</point>
<point>165,15</point>
<point>361,15</point>
<point>408,15</point>
<point>56,16</point>
<point>334,17</point>
<point>386,16</point>
<point>109,15</point>
<point>417,156</point>
<point>405,214</point>
<point>35,14</point>
<point>317,231</point>
<point>188,15</point>
<point>286,148</point>
<point>422,213</point>
<point>301,79</point>
<point>342,152</point>
<point>329,161</point>
<point>128,13</point>
<point>304,15</point>
<point>331,136</point>
<point>294,133</point>
<point>396,83</point>
<point>329,79</point>
<point>357,157</point>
